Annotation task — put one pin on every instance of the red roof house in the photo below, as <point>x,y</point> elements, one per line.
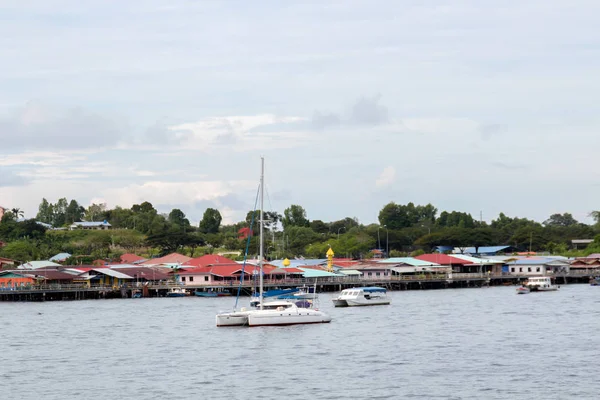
<point>208,259</point>
<point>173,258</point>
<point>220,274</point>
<point>130,258</point>
<point>457,264</point>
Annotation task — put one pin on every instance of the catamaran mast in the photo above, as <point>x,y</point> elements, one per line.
<point>260,256</point>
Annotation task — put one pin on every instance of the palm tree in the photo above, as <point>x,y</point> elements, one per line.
<point>18,213</point>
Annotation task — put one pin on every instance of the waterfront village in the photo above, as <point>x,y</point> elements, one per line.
<point>131,274</point>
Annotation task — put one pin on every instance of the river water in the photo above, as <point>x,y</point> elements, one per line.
<point>486,343</point>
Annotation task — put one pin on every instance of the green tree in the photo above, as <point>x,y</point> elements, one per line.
<point>455,219</point>
<point>74,213</point>
<point>398,216</point>
<point>177,218</point>
<point>298,237</point>
<point>94,211</point>
<point>143,208</point>
<point>565,219</point>
<point>45,212</point>
<point>8,217</point>
<point>294,215</point>
<point>20,250</point>
<point>60,212</point>
<point>211,220</point>
<point>394,216</point>
<point>319,226</point>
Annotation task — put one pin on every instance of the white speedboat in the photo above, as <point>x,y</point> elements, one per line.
<point>362,296</point>
<point>541,284</point>
<point>176,292</point>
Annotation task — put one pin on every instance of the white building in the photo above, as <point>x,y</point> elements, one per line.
<point>90,225</point>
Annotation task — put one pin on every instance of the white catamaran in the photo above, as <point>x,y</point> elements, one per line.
<point>279,312</point>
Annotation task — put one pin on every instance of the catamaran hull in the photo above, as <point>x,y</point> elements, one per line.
<point>339,303</point>
<point>278,318</point>
<point>232,320</point>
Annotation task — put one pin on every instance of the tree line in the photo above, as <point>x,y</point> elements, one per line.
<point>403,229</point>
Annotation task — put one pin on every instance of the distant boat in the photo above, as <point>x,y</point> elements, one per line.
<point>523,290</point>
<point>211,293</point>
<point>137,294</point>
<point>362,296</point>
<point>176,292</point>
<point>540,284</point>
<point>595,281</point>
<point>303,292</point>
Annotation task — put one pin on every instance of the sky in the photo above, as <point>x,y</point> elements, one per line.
<point>480,107</point>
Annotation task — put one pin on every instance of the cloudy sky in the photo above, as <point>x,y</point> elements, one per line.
<point>473,106</point>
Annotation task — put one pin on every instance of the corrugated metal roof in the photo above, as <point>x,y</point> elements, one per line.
<point>90,224</point>
<point>112,273</point>
<point>317,273</point>
<point>38,264</point>
<point>482,249</point>
<point>477,260</point>
<point>173,258</point>
<point>208,259</point>
<point>60,257</point>
<point>442,259</point>
<point>147,273</point>
<point>538,261</point>
<point>415,262</point>
<point>299,263</point>
<point>349,272</point>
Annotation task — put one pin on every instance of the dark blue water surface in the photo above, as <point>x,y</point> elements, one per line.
<point>447,344</point>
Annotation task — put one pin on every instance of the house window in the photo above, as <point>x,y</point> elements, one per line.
<point>537,269</point>
<point>183,279</point>
<point>520,269</point>
<point>377,273</point>
<point>370,274</point>
<point>512,269</point>
<point>191,279</point>
<point>206,279</point>
<point>529,269</point>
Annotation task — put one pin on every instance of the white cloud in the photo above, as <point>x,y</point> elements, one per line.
<point>242,133</point>
<point>194,110</point>
<point>387,177</point>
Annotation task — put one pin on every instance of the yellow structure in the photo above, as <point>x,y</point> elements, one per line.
<point>330,255</point>
<point>286,263</point>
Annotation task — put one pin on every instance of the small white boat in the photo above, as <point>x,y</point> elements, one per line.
<point>362,296</point>
<point>176,292</point>
<point>523,290</point>
<point>541,284</point>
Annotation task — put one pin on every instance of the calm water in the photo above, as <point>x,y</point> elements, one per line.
<point>451,344</point>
